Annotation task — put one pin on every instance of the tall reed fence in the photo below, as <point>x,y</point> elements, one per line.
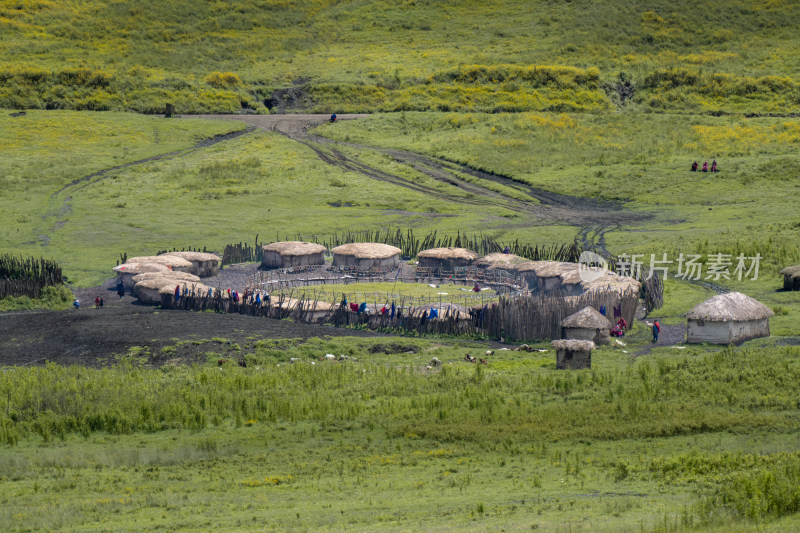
<point>411,244</point>
<point>27,276</point>
<point>514,319</point>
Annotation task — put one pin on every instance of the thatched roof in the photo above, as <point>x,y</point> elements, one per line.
<point>296,248</point>
<point>573,345</point>
<point>612,282</point>
<point>168,260</point>
<point>170,274</point>
<point>588,317</point>
<point>198,288</point>
<point>159,282</point>
<point>367,250</point>
<point>730,307</point>
<point>194,256</point>
<point>545,269</point>
<point>138,268</point>
<point>500,260</point>
<point>449,253</point>
<point>791,271</point>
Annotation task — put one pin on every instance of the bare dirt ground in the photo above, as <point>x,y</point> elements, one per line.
<point>97,337</point>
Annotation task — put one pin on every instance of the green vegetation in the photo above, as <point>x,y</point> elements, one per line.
<point>52,298</point>
<point>736,56</point>
<point>664,442</point>
<point>380,291</point>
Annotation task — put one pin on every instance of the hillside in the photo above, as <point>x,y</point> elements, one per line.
<point>353,56</point>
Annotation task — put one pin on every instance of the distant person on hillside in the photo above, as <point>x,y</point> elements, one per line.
<point>507,250</point>
<point>656,331</point>
<point>120,289</point>
<point>705,166</point>
<point>714,166</point>
<point>694,166</point>
<point>101,302</point>
<point>333,118</point>
<point>97,302</point>
<point>76,304</point>
<point>476,288</point>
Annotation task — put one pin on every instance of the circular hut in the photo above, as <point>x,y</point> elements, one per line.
<point>148,291</point>
<point>573,354</point>
<point>730,318</point>
<point>791,278</point>
<point>292,254</point>
<point>446,258</point>
<point>204,264</point>
<point>586,325</point>
<point>170,274</point>
<point>173,262</point>
<point>500,261</point>
<point>366,255</point>
<point>126,271</point>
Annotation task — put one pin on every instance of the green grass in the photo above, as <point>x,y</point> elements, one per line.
<point>385,56</point>
<point>650,444</point>
<point>381,291</point>
<point>53,298</point>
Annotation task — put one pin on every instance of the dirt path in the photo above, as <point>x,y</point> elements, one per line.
<point>595,218</point>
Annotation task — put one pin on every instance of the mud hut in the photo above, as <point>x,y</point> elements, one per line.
<point>171,274</point>
<point>573,354</point>
<point>204,264</point>
<point>292,254</point>
<point>446,258</point>
<point>126,271</point>
<point>500,261</point>
<point>587,325</point>
<point>366,255</point>
<point>791,278</point>
<point>545,276</point>
<point>730,318</point>
<point>149,290</point>
<point>173,262</point>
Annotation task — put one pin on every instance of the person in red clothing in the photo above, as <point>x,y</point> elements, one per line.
<point>714,166</point>
<point>656,331</point>
<point>705,166</point>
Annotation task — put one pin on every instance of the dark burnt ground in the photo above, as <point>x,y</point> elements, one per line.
<point>96,337</point>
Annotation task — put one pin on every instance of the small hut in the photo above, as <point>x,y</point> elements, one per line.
<point>148,291</point>
<point>204,264</point>
<point>292,254</point>
<point>791,278</point>
<point>730,318</point>
<point>587,325</point>
<point>126,271</point>
<point>173,262</point>
<point>573,354</point>
<point>366,255</point>
<point>171,274</point>
<point>446,258</point>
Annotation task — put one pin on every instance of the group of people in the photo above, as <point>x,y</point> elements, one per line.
<point>621,326</point>
<point>705,166</point>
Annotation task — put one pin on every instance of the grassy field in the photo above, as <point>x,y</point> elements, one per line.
<point>659,443</point>
<point>735,56</point>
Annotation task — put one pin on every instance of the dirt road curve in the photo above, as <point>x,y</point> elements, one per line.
<point>594,217</point>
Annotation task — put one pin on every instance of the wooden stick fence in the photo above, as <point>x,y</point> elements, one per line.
<point>27,276</point>
<point>514,319</point>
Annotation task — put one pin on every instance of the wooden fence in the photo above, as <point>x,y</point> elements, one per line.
<point>27,276</point>
<point>514,319</point>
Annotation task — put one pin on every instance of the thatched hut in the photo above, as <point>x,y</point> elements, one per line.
<point>587,325</point>
<point>204,264</point>
<point>446,258</point>
<point>573,354</point>
<point>545,276</point>
<point>126,271</point>
<point>173,262</point>
<point>499,261</point>
<point>197,289</point>
<point>730,318</point>
<point>149,290</point>
<point>292,254</point>
<point>791,278</point>
<point>171,274</point>
<point>366,255</point>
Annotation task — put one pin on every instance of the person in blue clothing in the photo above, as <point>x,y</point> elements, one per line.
<point>656,331</point>
<point>76,304</point>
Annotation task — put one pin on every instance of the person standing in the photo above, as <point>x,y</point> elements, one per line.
<point>656,331</point>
